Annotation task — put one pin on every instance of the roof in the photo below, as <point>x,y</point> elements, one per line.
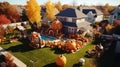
<point>117,10</point>
<point>86,11</point>
<point>93,9</point>
<point>69,24</point>
<point>71,12</point>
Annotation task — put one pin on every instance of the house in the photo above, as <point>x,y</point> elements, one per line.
<point>72,20</point>
<point>115,15</point>
<point>93,14</point>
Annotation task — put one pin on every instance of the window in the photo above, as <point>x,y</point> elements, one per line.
<point>71,30</point>
<point>69,19</point>
<point>115,17</point>
<point>61,18</point>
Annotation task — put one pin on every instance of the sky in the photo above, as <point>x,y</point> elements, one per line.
<point>77,2</point>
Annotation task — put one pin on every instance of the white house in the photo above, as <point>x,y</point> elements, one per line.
<point>93,14</point>
<point>69,17</point>
<point>74,19</point>
<point>115,15</point>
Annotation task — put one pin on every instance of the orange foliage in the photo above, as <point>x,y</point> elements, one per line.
<point>56,25</point>
<point>65,6</point>
<point>108,8</point>
<point>4,20</point>
<point>116,22</point>
<point>9,11</point>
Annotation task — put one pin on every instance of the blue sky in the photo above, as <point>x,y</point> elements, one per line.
<point>78,2</point>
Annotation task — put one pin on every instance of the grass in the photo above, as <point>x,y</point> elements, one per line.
<point>45,57</point>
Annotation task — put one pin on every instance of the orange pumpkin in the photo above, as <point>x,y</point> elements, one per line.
<point>42,42</point>
<point>1,39</point>
<point>86,40</point>
<point>61,61</point>
<point>80,43</point>
<point>70,45</point>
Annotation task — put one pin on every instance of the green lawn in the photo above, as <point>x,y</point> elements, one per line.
<point>45,57</point>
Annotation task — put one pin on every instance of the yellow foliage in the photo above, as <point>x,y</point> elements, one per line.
<point>50,11</point>
<point>65,6</point>
<point>33,11</point>
<point>109,28</point>
<point>107,7</point>
<point>59,6</point>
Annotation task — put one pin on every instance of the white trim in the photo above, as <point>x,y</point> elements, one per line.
<point>16,61</point>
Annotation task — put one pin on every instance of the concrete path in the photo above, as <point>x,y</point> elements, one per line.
<point>16,61</point>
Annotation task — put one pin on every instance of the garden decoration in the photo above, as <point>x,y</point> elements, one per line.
<point>82,61</point>
<point>61,61</point>
<point>35,40</point>
<point>55,29</point>
<point>98,49</point>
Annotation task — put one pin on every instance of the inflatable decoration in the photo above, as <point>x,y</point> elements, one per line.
<point>35,40</point>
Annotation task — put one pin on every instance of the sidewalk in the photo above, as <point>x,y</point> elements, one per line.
<point>16,61</point>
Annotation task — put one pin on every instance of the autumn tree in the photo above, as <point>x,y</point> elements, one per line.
<point>65,6</point>
<point>109,28</point>
<point>108,8</point>
<point>59,6</point>
<point>50,11</point>
<point>33,11</point>
<point>4,20</point>
<point>9,11</point>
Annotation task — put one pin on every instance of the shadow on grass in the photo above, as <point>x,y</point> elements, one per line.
<point>77,65</point>
<point>107,59</point>
<point>21,47</point>
<point>58,51</point>
<point>51,65</point>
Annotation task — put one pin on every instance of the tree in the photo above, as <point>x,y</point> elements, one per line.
<point>9,11</point>
<point>4,20</point>
<point>65,6</point>
<point>33,11</point>
<point>24,16</point>
<point>109,29</point>
<point>108,8</point>
<point>59,6</point>
<point>50,11</point>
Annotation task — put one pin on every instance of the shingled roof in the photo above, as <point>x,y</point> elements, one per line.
<point>86,11</point>
<point>89,8</point>
<point>71,12</point>
<point>117,10</point>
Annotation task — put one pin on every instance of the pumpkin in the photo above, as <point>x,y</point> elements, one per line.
<point>80,44</point>
<point>70,45</point>
<point>2,39</point>
<point>42,42</point>
<point>86,40</point>
<point>61,61</point>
